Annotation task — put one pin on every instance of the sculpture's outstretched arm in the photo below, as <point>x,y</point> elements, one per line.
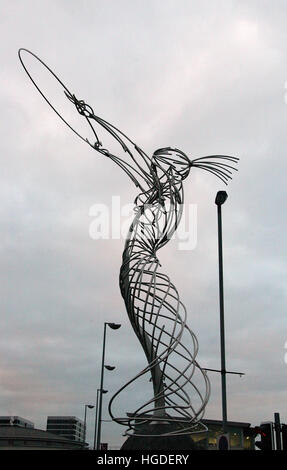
<point>127,155</point>
<point>137,166</point>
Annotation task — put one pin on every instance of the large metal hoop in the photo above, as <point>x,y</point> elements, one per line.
<point>65,89</point>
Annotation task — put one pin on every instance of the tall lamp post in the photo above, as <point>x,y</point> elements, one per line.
<point>85,420</point>
<point>219,201</point>
<point>96,417</point>
<point>113,326</point>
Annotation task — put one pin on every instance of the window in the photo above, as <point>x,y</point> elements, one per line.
<point>4,443</point>
<point>235,438</point>
<point>18,443</point>
<point>248,443</point>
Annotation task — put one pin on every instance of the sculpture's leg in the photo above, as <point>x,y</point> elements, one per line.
<point>158,318</point>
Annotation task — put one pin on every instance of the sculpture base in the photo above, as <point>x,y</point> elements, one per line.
<point>151,439</point>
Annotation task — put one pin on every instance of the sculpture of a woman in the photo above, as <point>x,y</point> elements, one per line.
<point>153,305</point>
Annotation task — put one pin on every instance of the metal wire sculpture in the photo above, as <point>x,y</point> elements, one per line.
<point>152,301</point>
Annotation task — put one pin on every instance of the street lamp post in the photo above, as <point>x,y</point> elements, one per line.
<point>219,201</point>
<point>85,421</point>
<point>96,417</point>
<point>113,326</point>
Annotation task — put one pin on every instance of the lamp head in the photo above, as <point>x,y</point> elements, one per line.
<point>221,197</point>
<point>109,367</point>
<point>114,326</point>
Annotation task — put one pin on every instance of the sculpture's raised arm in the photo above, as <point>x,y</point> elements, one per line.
<point>135,162</point>
<point>127,155</point>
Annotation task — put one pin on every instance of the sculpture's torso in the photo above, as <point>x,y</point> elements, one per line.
<point>143,286</point>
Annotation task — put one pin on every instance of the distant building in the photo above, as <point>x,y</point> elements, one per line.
<point>16,421</point>
<point>21,438</point>
<point>70,427</point>
<point>241,436</point>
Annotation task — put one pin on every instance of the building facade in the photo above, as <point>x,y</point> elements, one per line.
<point>240,435</point>
<point>70,427</point>
<point>21,438</point>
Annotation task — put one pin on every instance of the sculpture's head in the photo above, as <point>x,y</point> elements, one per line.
<point>168,160</point>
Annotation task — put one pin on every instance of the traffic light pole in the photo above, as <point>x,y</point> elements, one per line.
<point>284,436</point>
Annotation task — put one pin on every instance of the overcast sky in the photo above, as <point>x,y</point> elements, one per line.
<point>207,77</point>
